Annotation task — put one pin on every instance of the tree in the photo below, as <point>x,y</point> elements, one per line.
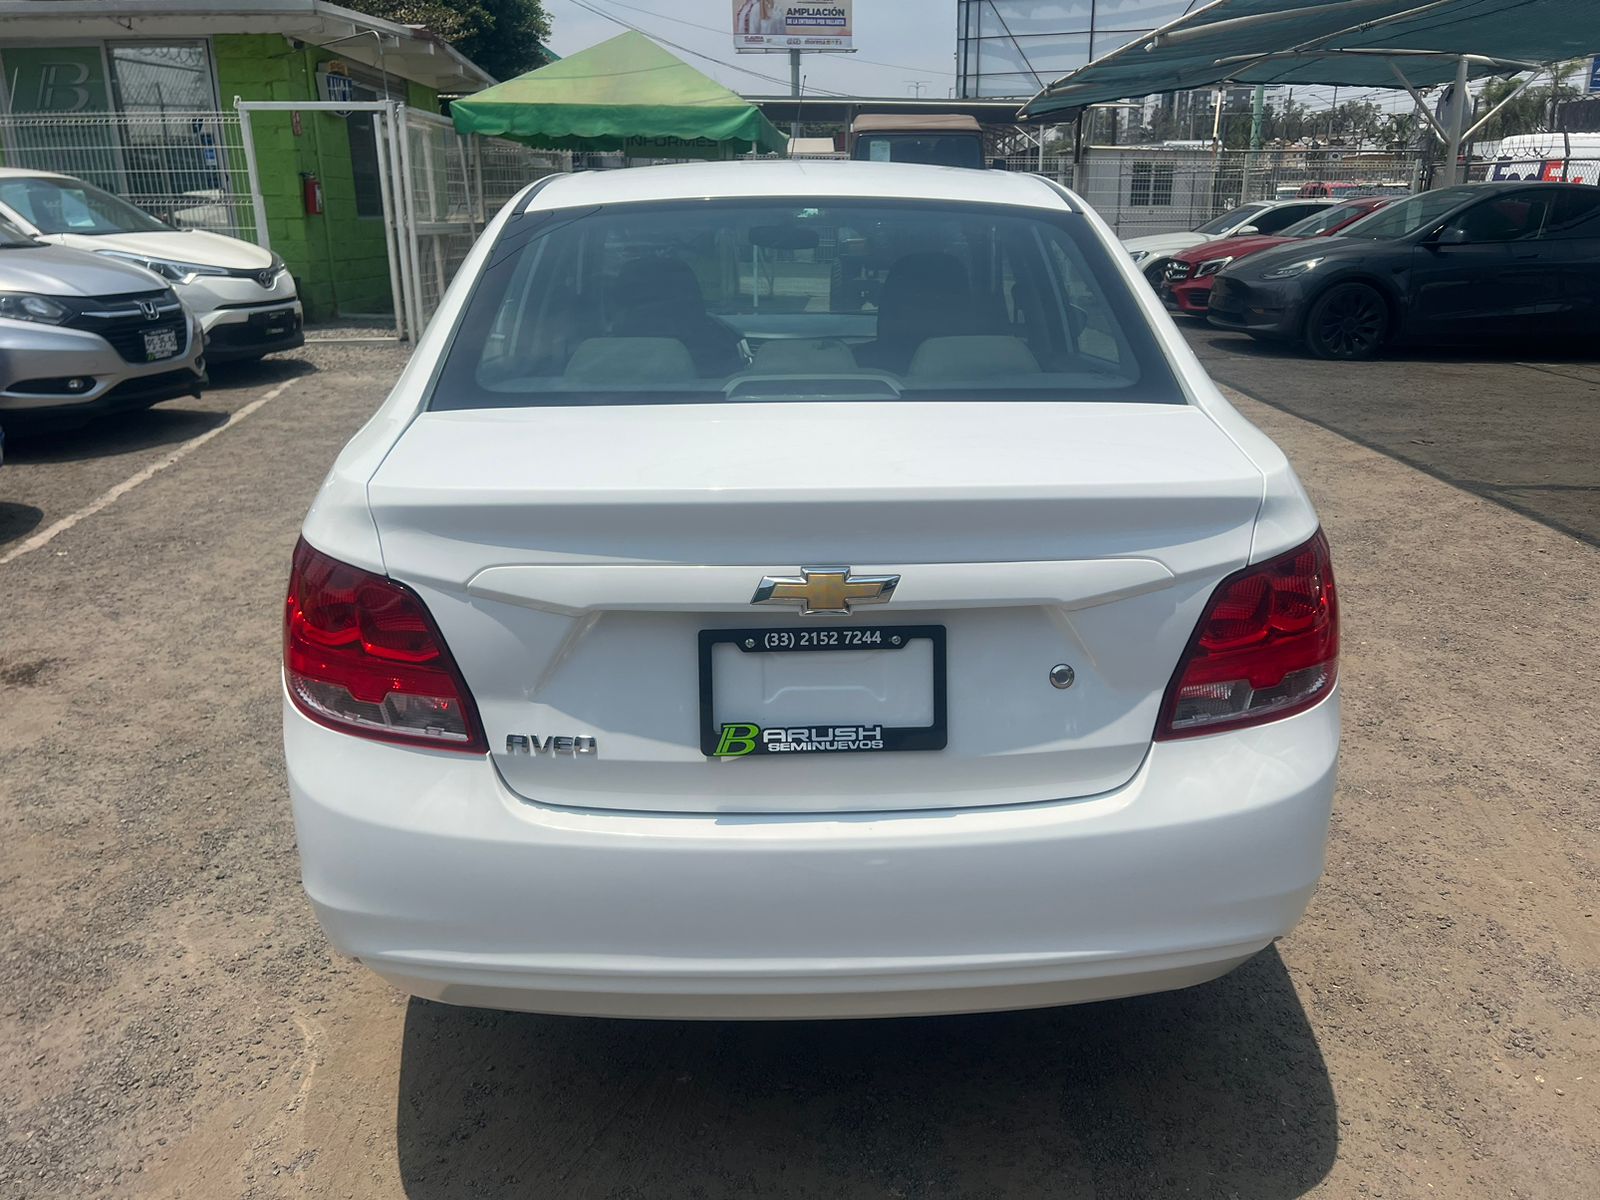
<point>1531,112</point>
<point>502,36</point>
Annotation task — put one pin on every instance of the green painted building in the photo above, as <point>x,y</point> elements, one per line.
<point>138,97</point>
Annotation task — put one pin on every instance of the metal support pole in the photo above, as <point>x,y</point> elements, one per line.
<point>1456,127</point>
<point>1258,103</point>
<point>391,231</point>
<point>258,203</point>
<point>794,90</point>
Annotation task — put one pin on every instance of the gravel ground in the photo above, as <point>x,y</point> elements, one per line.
<point>175,1026</point>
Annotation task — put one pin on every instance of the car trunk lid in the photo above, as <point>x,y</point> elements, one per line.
<point>577,558</point>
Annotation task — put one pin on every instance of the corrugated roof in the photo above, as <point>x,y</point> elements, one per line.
<point>1345,42</point>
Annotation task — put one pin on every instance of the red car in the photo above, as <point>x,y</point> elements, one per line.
<point>1186,287</point>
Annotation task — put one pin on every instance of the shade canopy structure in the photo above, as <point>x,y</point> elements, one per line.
<point>1359,43</point>
<point>625,94</point>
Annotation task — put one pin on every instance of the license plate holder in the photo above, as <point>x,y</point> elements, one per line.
<point>792,741</point>
<point>160,343</point>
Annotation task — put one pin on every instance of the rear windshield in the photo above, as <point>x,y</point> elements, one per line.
<point>780,300</point>
<point>935,149</point>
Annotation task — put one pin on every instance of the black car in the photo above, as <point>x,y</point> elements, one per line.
<point>1478,262</point>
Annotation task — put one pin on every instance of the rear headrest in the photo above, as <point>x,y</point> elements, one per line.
<point>973,356</point>
<point>804,356</point>
<point>656,280</point>
<point>630,360</point>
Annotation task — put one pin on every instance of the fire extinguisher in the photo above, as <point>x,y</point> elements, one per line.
<point>311,193</point>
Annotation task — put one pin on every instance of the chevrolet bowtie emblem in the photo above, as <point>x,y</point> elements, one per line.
<point>825,589</point>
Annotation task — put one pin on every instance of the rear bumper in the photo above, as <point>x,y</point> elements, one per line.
<point>427,868</point>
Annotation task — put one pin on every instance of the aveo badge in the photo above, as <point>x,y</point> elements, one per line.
<point>738,740</point>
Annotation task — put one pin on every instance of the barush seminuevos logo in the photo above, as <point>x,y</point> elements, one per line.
<point>737,740</point>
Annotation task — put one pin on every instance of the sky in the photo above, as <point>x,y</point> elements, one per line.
<point>896,52</point>
<point>906,47</point>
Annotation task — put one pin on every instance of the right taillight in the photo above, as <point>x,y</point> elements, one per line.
<point>1266,647</point>
<point>362,655</point>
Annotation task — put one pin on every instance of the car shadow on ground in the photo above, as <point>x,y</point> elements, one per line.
<point>166,424</point>
<point>1218,1090</point>
<point>1512,424</point>
<point>259,372</point>
<point>120,433</point>
<point>1576,353</point>
<point>17,520</point>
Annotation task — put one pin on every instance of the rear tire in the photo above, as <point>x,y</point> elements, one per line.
<point>1348,322</point>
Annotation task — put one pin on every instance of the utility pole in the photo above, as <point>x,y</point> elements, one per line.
<point>914,86</point>
<point>794,90</point>
<point>1258,104</point>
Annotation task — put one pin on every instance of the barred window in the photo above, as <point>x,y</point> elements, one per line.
<point>1151,184</point>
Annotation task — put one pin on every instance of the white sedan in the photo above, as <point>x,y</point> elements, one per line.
<point>673,644</point>
<point>242,294</point>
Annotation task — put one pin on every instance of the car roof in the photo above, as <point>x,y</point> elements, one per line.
<point>790,179</point>
<point>30,173</point>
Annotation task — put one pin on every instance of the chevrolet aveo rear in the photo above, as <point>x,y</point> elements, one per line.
<point>790,590</point>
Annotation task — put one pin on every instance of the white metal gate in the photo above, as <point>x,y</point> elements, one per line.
<point>438,189</point>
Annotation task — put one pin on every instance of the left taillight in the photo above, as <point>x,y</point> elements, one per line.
<point>362,655</point>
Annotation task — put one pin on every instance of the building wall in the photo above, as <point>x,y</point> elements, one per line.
<point>338,257</point>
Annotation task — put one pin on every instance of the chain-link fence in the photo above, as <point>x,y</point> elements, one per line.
<point>1142,190</point>
<point>186,168</point>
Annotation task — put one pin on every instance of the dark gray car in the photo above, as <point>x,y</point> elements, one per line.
<point>82,335</point>
<point>1474,263</point>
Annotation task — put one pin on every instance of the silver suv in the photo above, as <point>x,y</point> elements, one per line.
<point>82,335</point>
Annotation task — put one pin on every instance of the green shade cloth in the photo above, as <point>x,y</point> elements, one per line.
<point>624,94</point>
<point>1337,42</point>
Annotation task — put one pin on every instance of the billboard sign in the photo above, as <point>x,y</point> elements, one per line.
<point>791,25</point>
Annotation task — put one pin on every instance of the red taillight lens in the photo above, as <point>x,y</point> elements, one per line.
<point>1267,646</point>
<point>362,655</point>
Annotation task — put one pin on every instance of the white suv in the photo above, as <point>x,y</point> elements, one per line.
<point>242,294</point>
<point>675,643</point>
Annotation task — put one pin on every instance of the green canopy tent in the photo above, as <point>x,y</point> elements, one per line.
<point>625,94</point>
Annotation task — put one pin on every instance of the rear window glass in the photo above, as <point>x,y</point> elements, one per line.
<point>786,300</point>
<point>939,150</point>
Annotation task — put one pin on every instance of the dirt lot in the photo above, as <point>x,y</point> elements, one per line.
<point>172,1024</point>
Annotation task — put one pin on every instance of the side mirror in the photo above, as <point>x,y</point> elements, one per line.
<point>1453,236</point>
<point>1244,231</point>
